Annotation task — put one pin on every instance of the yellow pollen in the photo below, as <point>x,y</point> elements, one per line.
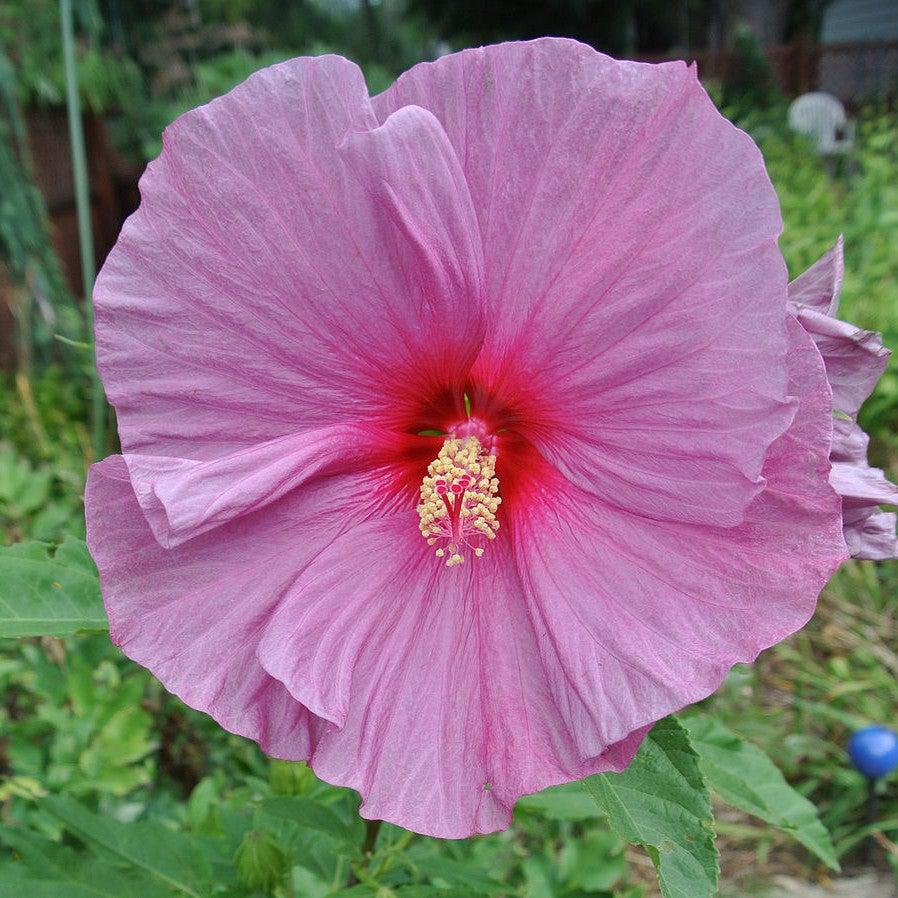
<point>459,500</point>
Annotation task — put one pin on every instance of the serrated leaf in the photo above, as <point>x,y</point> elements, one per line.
<point>44,594</point>
<point>743,776</point>
<point>661,801</point>
<point>174,859</point>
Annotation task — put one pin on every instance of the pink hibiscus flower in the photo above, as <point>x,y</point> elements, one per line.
<point>855,360</point>
<point>465,429</point>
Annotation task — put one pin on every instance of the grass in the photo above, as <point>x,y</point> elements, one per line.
<point>802,700</point>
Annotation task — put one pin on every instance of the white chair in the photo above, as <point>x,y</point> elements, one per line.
<point>822,119</point>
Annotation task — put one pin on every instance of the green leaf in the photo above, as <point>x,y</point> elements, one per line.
<point>94,881</point>
<point>14,886</point>
<point>23,488</point>
<point>309,814</point>
<point>570,801</point>
<point>743,776</point>
<point>291,777</point>
<point>49,595</point>
<point>661,802</point>
<point>37,853</point>
<point>430,892</point>
<point>202,808</point>
<point>594,862</point>
<point>173,858</point>
<point>365,891</point>
<point>456,873</point>
<point>45,868</point>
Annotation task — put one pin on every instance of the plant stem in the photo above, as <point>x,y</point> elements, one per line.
<point>872,812</point>
<point>82,205</point>
<point>372,828</point>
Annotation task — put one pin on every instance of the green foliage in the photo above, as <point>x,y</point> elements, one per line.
<point>291,778</point>
<point>804,700</point>
<point>180,863</point>
<point>861,203</point>
<point>48,595</point>
<point>24,488</point>
<point>750,83</point>
<point>31,29</point>
<point>661,802</point>
<point>566,802</point>
<point>34,501</point>
<point>42,418</point>
<point>75,720</point>
<point>46,869</point>
<point>261,863</point>
<point>111,787</point>
<point>250,849</point>
<point>27,258</point>
<point>43,456</point>
<point>746,778</point>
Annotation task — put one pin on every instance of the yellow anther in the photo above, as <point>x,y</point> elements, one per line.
<point>459,499</point>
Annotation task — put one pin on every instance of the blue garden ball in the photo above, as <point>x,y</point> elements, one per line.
<point>874,751</point>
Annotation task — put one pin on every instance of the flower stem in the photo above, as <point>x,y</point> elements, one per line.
<point>82,205</point>
<point>372,828</point>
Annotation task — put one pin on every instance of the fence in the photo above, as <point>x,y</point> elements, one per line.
<point>853,72</point>
<point>113,195</point>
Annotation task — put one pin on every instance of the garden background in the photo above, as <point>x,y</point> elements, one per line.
<point>111,787</point>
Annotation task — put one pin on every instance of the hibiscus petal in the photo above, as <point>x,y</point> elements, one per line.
<point>632,273</point>
<point>193,614</point>
<point>849,442</point>
<point>855,359</point>
<point>433,678</point>
<point>637,621</point>
<point>445,712</point>
<point>183,498</point>
<point>421,217</point>
<point>861,482</point>
<point>870,533</point>
<point>247,299</point>
<point>819,287</point>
